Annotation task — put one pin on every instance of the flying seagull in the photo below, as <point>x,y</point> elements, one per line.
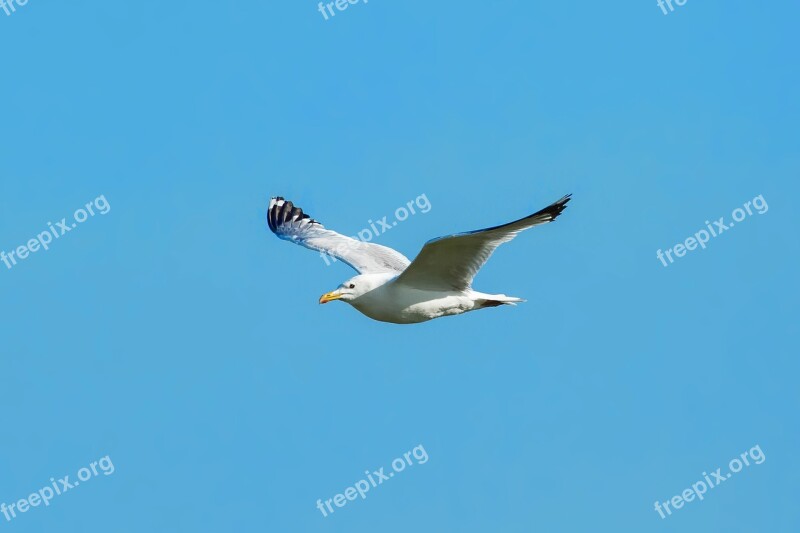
<point>389,287</point>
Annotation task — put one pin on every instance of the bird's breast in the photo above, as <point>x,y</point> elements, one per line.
<point>404,305</point>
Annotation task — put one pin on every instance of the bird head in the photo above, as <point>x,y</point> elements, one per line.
<point>355,287</point>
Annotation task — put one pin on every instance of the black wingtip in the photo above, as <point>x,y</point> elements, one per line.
<point>282,211</point>
<point>556,208</point>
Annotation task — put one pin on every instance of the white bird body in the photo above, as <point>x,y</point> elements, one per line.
<point>389,287</point>
<point>390,302</point>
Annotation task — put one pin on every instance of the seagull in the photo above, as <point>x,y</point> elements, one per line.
<point>389,287</point>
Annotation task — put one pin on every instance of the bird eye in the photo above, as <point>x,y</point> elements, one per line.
<point>352,285</point>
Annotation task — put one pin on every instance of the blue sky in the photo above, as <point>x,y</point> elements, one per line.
<point>177,336</point>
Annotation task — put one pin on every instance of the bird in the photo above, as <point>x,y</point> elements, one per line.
<point>389,287</point>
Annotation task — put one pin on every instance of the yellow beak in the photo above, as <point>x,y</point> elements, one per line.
<point>329,297</point>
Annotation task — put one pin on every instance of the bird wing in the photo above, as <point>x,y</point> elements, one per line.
<point>451,262</point>
<point>291,224</point>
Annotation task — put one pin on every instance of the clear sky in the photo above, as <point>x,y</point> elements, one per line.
<point>177,336</point>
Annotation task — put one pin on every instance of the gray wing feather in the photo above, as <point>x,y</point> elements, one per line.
<point>451,262</point>
<point>290,223</point>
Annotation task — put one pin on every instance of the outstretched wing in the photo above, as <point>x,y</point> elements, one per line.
<point>451,262</point>
<point>291,224</point>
